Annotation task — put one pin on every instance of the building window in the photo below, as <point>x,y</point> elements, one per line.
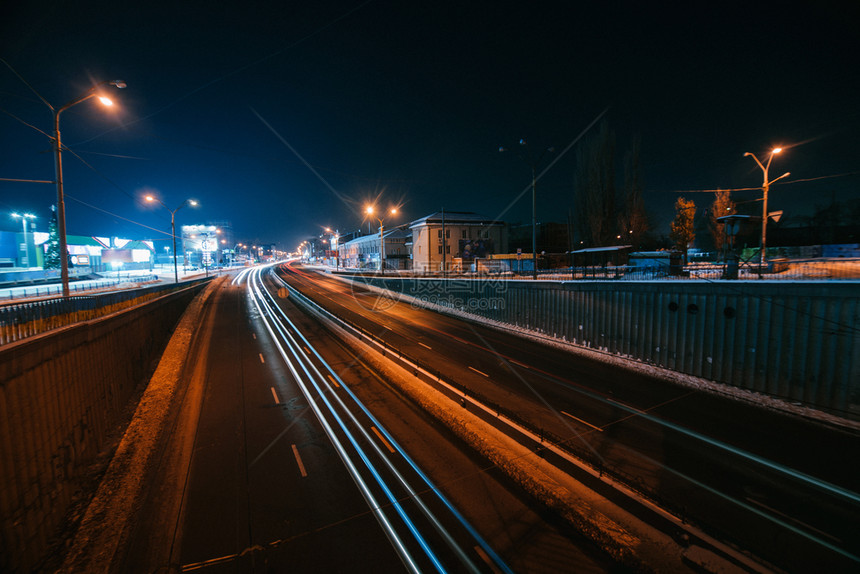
<point>440,250</point>
<point>448,249</point>
<point>440,234</point>
<point>464,233</point>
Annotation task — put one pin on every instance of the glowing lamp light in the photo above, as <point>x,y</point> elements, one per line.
<point>777,150</point>
<point>105,101</point>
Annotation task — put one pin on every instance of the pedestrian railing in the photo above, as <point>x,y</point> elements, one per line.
<point>32,318</point>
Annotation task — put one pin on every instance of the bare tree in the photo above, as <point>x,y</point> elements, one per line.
<point>683,226</point>
<point>594,188</point>
<point>633,221</point>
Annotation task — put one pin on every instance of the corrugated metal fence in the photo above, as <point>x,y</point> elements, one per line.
<point>795,340</point>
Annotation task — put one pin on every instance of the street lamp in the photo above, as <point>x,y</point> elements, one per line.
<point>764,187</point>
<point>24,217</point>
<point>370,211</point>
<point>58,163</point>
<point>190,202</point>
<point>529,158</point>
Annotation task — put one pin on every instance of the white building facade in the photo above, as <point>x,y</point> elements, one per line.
<point>453,240</point>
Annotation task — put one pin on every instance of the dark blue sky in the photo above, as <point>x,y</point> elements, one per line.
<point>412,102</point>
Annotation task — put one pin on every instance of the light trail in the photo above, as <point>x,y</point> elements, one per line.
<point>846,495</point>
<point>500,563</point>
<point>319,389</point>
<point>388,528</point>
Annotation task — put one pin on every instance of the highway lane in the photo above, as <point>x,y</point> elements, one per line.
<point>290,472</point>
<point>445,535</point>
<point>528,538</point>
<point>764,474</point>
<point>265,490</point>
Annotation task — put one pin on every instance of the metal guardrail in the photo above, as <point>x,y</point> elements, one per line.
<point>775,270</point>
<point>32,318</point>
<point>28,291</point>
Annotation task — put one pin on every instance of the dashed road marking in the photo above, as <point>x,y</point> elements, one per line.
<point>299,461</point>
<point>582,421</point>
<point>382,438</point>
<point>262,360</point>
<point>486,559</point>
<point>274,394</point>
<point>479,372</point>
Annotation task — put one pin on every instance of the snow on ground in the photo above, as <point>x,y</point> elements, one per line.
<point>622,535</point>
<point>105,526</point>
<point>625,362</point>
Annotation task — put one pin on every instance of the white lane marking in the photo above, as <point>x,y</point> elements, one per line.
<point>299,461</point>
<point>382,438</point>
<point>582,421</point>
<point>479,372</point>
<point>274,394</point>
<point>425,346</point>
<point>262,360</point>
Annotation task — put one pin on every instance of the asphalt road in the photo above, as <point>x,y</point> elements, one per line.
<point>291,471</point>
<point>777,485</point>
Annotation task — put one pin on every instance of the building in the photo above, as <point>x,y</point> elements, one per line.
<point>453,240</point>
<point>364,252</point>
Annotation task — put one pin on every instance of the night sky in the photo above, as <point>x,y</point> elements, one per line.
<point>286,117</point>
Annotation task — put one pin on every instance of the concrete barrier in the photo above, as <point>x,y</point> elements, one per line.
<point>61,394</point>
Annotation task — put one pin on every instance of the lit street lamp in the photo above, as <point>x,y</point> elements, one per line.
<point>764,187</point>
<point>533,163</point>
<point>58,162</point>
<point>24,217</point>
<point>190,202</point>
<point>370,211</point>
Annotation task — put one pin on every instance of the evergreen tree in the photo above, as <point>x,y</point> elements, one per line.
<point>723,205</point>
<point>52,253</point>
<point>684,225</point>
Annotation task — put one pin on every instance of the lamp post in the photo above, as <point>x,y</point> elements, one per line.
<point>529,158</point>
<point>764,187</point>
<point>24,217</point>
<point>190,202</point>
<point>58,163</point>
<point>370,211</point>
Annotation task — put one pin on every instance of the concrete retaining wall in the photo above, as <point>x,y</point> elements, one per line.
<point>61,393</point>
<point>795,340</point>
